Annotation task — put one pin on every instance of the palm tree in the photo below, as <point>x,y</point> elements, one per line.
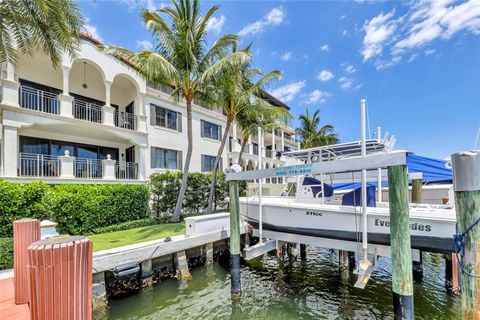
<point>252,117</point>
<point>309,133</point>
<point>232,92</point>
<point>181,60</point>
<point>49,26</point>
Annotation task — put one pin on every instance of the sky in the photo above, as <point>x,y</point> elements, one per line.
<point>417,63</point>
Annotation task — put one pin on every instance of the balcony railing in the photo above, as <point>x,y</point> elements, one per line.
<point>88,168</point>
<point>125,120</point>
<point>126,170</point>
<point>38,165</point>
<point>39,100</point>
<point>87,111</point>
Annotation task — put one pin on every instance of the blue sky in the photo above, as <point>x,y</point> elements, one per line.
<point>417,63</point>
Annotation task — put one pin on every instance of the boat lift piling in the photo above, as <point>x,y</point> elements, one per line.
<point>466,183</point>
<point>233,186</point>
<point>417,198</point>
<point>364,264</point>
<point>402,283</point>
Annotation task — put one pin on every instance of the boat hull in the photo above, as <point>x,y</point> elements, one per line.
<point>431,229</point>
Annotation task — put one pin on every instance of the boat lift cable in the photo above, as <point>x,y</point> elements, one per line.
<point>459,248</point>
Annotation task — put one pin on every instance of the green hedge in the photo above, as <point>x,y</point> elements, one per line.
<point>6,253</point>
<point>78,209</point>
<point>165,186</point>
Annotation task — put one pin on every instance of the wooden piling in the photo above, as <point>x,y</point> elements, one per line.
<point>402,282</point>
<point>418,269</point>
<point>351,260</point>
<point>236,287</point>
<point>303,252</point>
<point>466,183</point>
<point>416,187</point>
<point>342,261</point>
<point>452,274</point>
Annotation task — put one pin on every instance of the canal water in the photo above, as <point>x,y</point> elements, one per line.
<point>288,289</point>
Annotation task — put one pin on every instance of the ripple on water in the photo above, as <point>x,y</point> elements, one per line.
<point>288,289</point>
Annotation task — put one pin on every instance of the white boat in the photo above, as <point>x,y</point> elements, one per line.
<point>431,226</point>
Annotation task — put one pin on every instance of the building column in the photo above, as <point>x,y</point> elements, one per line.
<point>141,153</point>
<point>273,143</point>
<point>67,162</point>
<point>108,166</point>
<point>282,143</point>
<point>234,130</point>
<point>66,101</point>
<point>108,112</point>
<point>10,151</point>
<point>10,87</point>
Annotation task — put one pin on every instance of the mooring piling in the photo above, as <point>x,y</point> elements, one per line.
<point>416,187</point>
<point>236,287</point>
<point>466,184</point>
<point>402,282</point>
<point>303,251</point>
<point>452,274</point>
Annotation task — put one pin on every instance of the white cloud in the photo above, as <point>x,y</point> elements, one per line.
<point>316,96</point>
<point>274,17</point>
<point>377,30</point>
<point>344,32</point>
<point>343,16</point>
<point>325,75</point>
<point>216,24</point>
<point>325,48</point>
<point>424,23</point>
<point>289,91</point>
<point>348,67</point>
<point>287,55</point>
<point>346,82</point>
<point>138,4</point>
<point>92,30</point>
<point>144,44</point>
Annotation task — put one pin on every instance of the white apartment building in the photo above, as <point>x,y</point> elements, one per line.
<point>96,120</point>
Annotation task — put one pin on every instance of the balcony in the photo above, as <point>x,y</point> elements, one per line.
<point>47,166</point>
<point>38,100</point>
<point>89,111</point>
<point>125,120</point>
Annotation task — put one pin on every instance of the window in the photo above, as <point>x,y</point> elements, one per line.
<point>208,163</point>
<point>165,118</point>
<point>210,130</point>
<point>255,148</point>
<point>166,159</point>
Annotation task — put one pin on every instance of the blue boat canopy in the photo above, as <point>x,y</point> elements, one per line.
<point>433,170</point>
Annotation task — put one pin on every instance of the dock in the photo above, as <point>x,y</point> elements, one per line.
<point>8,309</point>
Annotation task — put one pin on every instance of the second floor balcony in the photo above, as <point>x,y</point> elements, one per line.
<point>47,101</point>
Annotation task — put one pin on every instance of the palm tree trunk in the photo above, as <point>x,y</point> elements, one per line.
<point>186,167</point>
<point>215,167</point>
<point>244,142</point>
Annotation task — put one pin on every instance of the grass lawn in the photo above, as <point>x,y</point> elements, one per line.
<point>115,239</point>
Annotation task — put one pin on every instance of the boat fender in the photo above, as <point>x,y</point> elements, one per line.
<point>126,270</point>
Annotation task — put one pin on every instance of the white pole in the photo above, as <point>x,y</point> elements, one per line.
<point>379,178</point>
<point>363,103</point>
<point>260,213</point>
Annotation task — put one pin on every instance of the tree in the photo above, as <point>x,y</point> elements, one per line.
<point>181,60</point>
<point>49,26</point>
<point>267,117</point>
<point>232,92</point>
<point>311,135</point>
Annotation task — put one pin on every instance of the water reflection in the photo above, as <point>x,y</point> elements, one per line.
<point>288,289</point>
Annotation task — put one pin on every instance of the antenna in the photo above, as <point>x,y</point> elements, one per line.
<point>477,138</point>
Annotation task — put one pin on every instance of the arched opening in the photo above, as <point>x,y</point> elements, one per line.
<point>125,101</point>
<point>40,83</point>
<point>87,87</point>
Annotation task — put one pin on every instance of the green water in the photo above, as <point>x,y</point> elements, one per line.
<point>274,289</point>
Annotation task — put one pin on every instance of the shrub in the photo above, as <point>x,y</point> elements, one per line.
<point>164,188</point>
<point>78,209</point>
<point>6,253</point>
<point>19,201</point>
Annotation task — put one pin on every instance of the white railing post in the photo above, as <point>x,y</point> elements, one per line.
<point>67,166</point>
<point>10,87</point>
<point>66,105</point>
<point>108,168</point>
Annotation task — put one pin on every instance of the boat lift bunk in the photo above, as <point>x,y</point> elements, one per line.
<point>316,217</point>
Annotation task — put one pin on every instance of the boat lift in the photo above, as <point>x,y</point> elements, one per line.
<point>378,157</point>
